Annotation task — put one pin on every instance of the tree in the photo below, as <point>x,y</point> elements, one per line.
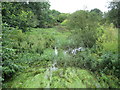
<point>81,19</point>
<point>23,15</point>
<point>41,10</point>
<point>99,12</point>
<point>114,13</point>
<point>16,15</point>
<point>83,25</point>
<point>62,17</point>
<point>53,17</point>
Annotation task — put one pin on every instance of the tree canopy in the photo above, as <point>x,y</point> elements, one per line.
<point>114,13</point>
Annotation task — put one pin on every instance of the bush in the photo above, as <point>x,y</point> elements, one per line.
<point>9,56</point>
<point>83,25</point>
<point>108,41</point>
<point>108,51</point>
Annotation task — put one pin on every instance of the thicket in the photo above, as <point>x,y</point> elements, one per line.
<point>100,41</point>
<point>19,46</point>
<point>16,44</point>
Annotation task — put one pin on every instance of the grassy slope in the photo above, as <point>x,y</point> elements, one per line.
<point>68,78</point>
<point>35,76</point>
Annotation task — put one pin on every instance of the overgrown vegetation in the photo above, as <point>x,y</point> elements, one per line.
<point>30,38</point>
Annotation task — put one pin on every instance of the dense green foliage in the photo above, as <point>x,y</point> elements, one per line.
<point>27,57</point>
<point>16,15</point>
<point>34,14</point>
<point>114,13</point>
<point>82,22</point>
<point>63,78</point>
<point>30,48</point>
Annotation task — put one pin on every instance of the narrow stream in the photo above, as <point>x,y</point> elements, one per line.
<point>50,70</point>
<point>74,51</point>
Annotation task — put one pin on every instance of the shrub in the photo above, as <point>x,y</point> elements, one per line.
<point>9,55</point>
<point>83,25</point>
<point>109,39</point>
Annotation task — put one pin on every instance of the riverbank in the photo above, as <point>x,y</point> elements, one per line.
<point>47,62</point>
